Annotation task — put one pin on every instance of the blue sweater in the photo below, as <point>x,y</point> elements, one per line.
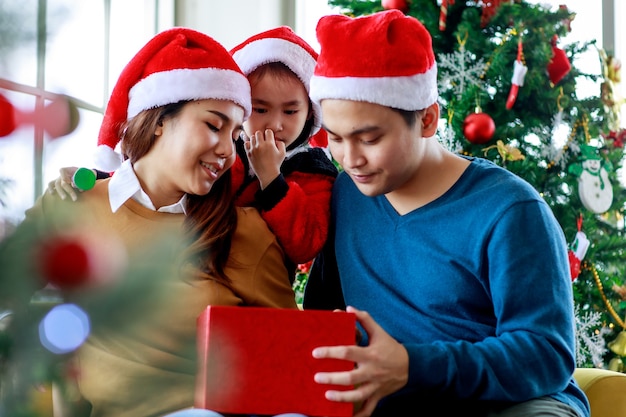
<point>475,285</point>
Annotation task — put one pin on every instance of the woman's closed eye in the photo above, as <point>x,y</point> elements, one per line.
<point>213,127</point>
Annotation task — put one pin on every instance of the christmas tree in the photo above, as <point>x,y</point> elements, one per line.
<point>508,91</point>
<point>59,281</point>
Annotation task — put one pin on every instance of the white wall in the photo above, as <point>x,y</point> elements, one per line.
<point>232,21</point>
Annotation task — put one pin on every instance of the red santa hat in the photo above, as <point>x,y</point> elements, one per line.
<point>280,45</point>
<point>175,65</point>
<point>384,58</point>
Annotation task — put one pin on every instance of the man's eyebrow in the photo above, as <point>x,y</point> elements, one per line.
<point>355,132</point>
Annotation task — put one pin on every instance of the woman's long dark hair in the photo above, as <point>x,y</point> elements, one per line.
<point>212,218</point>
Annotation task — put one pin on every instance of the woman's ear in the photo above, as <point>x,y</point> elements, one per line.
<point>159,129</point>
<point>430,120</point>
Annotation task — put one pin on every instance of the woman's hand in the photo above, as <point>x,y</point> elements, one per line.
<point>382,367</point>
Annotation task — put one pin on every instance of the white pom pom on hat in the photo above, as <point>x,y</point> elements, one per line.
<point>282,45</point>
<point>175,65</point>
<point>384,58</point>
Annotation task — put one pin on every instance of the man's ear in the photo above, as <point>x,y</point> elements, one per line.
<point>430,120</point>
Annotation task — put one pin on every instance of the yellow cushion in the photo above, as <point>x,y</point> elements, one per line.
<point>606,391</point>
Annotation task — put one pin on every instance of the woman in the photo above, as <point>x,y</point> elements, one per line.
<point>176,111</point>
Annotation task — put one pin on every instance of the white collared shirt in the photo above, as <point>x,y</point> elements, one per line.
<point>124,184</point>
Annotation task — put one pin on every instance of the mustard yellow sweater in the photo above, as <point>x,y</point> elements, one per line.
<point>147,369</point>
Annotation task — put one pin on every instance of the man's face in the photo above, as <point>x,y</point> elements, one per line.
<point>373,144</point>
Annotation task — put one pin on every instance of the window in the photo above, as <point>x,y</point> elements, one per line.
<point>83,46</point>
<point>69,47</point>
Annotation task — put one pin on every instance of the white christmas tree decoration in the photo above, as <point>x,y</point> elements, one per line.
<point>590,344</point>
<point>459,70</point>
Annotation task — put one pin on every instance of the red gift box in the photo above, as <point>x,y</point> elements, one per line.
<point>255,360</point>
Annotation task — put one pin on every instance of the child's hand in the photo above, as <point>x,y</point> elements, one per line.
<point>62,186</point>
<point>266,155</point>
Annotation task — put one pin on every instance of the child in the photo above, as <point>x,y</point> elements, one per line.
<point>278,172</point>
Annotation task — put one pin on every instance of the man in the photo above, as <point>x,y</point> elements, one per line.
<point>456,268</point>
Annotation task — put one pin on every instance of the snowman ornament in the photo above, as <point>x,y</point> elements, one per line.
<point>594,187</point>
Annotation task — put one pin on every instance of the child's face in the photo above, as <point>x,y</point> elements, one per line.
<point>196,147</point>
<point>280,103</point>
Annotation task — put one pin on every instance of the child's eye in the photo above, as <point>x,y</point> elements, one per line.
<point>290,112</point>
<point>213,127</point>
<point>259,110</point>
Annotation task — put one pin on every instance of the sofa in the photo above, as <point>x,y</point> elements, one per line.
<point>606,391</point>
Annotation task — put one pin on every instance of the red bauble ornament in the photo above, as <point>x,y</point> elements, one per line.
<point>401,5</point>
<point>479,128</point>
<point>7,117</point>
<point>81,258</point>
<point>59,117</point>
<point>65,262</point>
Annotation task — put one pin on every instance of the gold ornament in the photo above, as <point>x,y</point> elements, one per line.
<point>620,290</point>
<point>596,277</point>
<point>616,365</point>
<point>507,152</point>
<point>609,88</point>
<point>618,346</point>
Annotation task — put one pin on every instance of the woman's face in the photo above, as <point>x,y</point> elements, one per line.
<point>280,103</point>
<point>194,148</point>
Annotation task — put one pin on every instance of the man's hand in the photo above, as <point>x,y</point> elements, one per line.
<point>382,367</point>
